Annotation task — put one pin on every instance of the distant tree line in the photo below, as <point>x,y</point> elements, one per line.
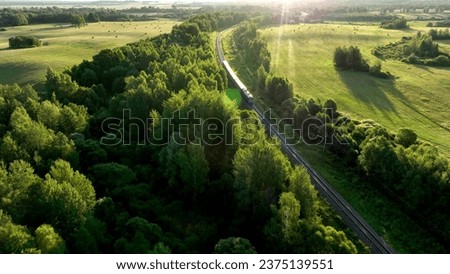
<point>20,42</point>
<point>439,24</point>
<point>358,17</point>
<point>248,40</point>
<point>25,16</point>
<point>350,59</point>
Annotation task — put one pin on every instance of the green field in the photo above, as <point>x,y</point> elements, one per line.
<point>67,46</point>
<point>418,98</point>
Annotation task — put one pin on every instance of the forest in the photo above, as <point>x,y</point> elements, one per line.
<point>68,184</point>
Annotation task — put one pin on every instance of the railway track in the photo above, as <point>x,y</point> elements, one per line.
<point>348,214</point>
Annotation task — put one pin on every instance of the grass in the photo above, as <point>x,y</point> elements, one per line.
<point>67,46</point>
<point>417,98</point>
<point>234,95</point>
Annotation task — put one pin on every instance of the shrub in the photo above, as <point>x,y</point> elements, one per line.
<point>399,23</point>
<point>440,61</point>
<point>350,59</point>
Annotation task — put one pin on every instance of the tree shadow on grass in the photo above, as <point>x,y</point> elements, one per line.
<point>372,91</point>
<point>21,73</point>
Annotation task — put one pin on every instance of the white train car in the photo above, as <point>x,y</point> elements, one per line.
<point>244,91</point>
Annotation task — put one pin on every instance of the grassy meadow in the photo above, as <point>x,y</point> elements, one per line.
<point>417,98</point>
<point>65,46</point>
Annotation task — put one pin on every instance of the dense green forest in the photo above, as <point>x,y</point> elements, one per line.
<point>82,173</point>
<point>20,42</point>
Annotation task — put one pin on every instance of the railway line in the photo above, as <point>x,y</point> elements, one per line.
<point>348,214</point>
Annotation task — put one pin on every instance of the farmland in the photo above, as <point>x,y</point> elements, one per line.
<point>65,46</point>
<point>417,98</point>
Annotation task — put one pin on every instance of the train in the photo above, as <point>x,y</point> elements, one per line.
<point>248,97</point>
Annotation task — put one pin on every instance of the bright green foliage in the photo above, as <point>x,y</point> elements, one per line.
<point>66,119</point>
<point>206,113</point>
<point>63,199</point>
<point>14,188</point>
<point>377,157</point>
<point>406,137</point>
<point>289,215</point>
<point>58,204</point>
<point>301,187</point>
<point>327,240</point>
<point>250,43</point>
<point>13,238</point>
<point>12,96</point>
<point>398,23</point>
<point>33,142</point>
<point>278,89</point>
<point>419,49</point>
<point>145,93</point>
<point>62,172</point>
<point>61,85</point>
<point>48,241</point>
<point>261,171</point>
<point>234,245</point>
<point>260,84</point>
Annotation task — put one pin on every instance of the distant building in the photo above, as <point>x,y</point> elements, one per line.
<point>432,11</point>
